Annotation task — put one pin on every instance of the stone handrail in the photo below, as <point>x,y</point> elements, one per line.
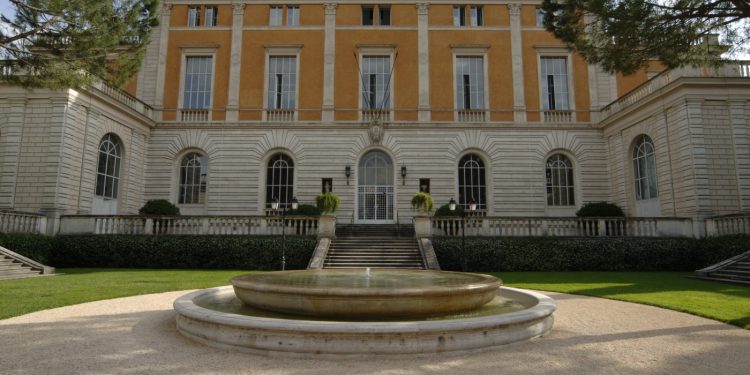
<point>453,226</point>
<point>721,226</point>
<point>190,225</point>
<point>124,98</point>
<point>46,270</point>
<point>730,69</point>
<point>22,222</point>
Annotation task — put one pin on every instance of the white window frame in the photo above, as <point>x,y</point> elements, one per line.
<point>281,50</point>
<point>471,51</point>
<point>461,19</point>
<point>556,52</point>
<point>178,180</point>
<point>637,142</point>
<point>472,19</point>
<point>214,19</point>
<point>287,22</point>
<point>376,51</point>
<point>558,188</point>
<point>281,15</point>
<point>197,52</point>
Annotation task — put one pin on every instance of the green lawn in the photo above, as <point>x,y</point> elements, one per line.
<point>723,302</point>
<point>73,286</point>
<point>672,290</point>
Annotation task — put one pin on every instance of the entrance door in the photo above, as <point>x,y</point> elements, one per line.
<point>375,190</point>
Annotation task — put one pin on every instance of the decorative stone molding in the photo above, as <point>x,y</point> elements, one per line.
<point>514,8</point>
<point>375,131</point>
<point>238,9</point>
<point>330,8</point>
<point>422,8</point>
<point>166,8</point>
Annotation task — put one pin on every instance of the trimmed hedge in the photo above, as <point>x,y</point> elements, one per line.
<point>586,254</point>
<point>33,246</point>
<point>194,252</point>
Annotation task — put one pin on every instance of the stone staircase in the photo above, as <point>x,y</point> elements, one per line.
<point>13,269</point>
<point>734,270</point>
<point>374,246</point>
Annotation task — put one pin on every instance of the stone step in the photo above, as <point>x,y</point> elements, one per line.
<point>18,275</point>
<point>721,279</point>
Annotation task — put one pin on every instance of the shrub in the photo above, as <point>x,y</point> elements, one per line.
<point>586,254</point>
<point>444,210</point>
<point>327,202</point>
<point>159,207</point>
<point>33,246</point>
<point>600,209</point>
<point>422,202</point>
<point>305,210</point>
<point>194,252</point>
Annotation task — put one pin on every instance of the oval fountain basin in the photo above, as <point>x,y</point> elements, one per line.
<point>357,293</point>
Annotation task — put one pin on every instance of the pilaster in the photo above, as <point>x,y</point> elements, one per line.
<point>516,51</point>
<point>694,115</point>
<point>233,96</point>
<point>166,13</point>
<point>739,117</point>
<point>423,60</point>
<point>328,62</point>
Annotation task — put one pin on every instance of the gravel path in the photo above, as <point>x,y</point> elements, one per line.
<point>136,335</point>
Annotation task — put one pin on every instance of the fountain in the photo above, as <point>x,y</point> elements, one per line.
<point>362,312</point>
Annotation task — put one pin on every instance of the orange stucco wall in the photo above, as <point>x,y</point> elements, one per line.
<point>626,83</point>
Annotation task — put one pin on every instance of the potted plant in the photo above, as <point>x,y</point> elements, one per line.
<point>327,202</point>
<point>422,202</point>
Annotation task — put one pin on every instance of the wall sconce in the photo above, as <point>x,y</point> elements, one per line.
<point>348,173</point>
<point>295,203</point>
<point>274,204</point>
<point>403,173</point>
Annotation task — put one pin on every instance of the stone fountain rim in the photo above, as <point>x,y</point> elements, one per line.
<point>483,282</point>
<point>185,306</point>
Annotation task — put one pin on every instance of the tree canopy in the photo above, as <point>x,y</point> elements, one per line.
<point>68,43</point>
<point>624,35</point>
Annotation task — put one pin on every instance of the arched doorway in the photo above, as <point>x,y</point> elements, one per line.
<point>375,188</point>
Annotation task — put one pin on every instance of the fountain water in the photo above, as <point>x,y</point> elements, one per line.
<point>350,312</point>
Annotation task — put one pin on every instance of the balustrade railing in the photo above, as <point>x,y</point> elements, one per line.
<point>720,226</point>
<point>369,114</point>
<point>559,227</point>
<point>558,116</point>
<point>471,115</point>
<point>286,115</point>
<point>194,115</point>
<point>22,222</point>
<point>191,225</point>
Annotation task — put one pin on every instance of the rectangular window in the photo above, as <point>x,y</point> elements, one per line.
<point>424,185</point>
<point>292,16</point>
<point>326,185</point>
<point>194,16</point>
<point>368,16</point>
<point>539,17</point>
<point>376,72</point>
<point>211,15</point>
<point>274,17</point>
<point>282,82</point>
<point>459,16</point>
<point>197,92</point>
<point>477,16</point>
<point>470,82</point>
<point>384,15</point>
<point>554,81</point>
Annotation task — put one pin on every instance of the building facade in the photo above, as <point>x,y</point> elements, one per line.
<point>242,102</point>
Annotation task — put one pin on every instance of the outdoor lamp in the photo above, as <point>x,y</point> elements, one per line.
<point>403,171</point>
<point>274,204</point>
<point>472,205</point>
<point>348,171</point>
<point>295,203</point>
<point>452,204</point>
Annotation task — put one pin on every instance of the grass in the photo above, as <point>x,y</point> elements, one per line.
<point>74,286</point>
<point>672,290</point>
<point>727,303</point>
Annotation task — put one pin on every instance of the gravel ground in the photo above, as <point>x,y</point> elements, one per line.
<point>137,335</point>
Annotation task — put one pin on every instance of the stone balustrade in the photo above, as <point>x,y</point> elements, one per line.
<point>22,222</point>
<point>190,225</point>
<point>559,227</point>
<point>721,226</point>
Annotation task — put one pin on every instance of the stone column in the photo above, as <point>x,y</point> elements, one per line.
<point>516,53</point>
<point>423,40</point>
<point>161,69</point>
<point>328,62</point>
<point>233,96</point>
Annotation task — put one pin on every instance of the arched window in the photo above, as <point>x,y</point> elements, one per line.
<point>108,168</point>
<point>644,169</point>
<point>192,179</point>
<point>471,181</point>
<point>559,174</point>
<point>280,179</point>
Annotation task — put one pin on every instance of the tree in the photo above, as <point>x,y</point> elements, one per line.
<point>69,43</point>
<point>624,35</point>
